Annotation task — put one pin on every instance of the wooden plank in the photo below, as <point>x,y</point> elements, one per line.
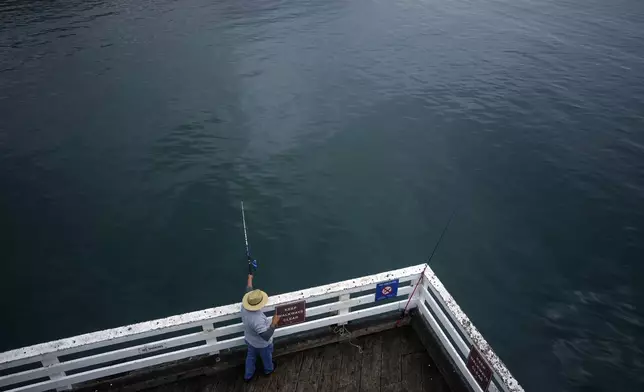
<point>203,384</point>
<point>214,383</point>
<point>199,384</point>
<point>432,379</point>
<point>391,358</point>
<point>331,363</point>
<point>261,383</point>
<point>221,382</point>
<point>308,379</point>
<point>286,375</point>
<point>409,341</point>
<point>335,367</point>
<point>293,344</point>
<point>370,369</point>
<point>395,387</point>
<point>172,387</point>
<point>412,372</point>
<point>349,373</point>
<point>236,383</point>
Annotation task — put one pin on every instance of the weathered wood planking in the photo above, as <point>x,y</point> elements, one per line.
<point>331,363</point>
<point>349,375</point>
<point>433,381</point>
<point>308,378</point>
<point>393,360</point>
<point>370,371</point>
<point>286,377</point>
<point>411,372</point>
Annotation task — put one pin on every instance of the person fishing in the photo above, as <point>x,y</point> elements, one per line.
<point>258,330</point>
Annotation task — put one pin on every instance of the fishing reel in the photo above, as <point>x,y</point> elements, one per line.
<point>252,266</point>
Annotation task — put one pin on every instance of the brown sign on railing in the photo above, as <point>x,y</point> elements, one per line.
<point>479,368</point>
<point>293,313</point>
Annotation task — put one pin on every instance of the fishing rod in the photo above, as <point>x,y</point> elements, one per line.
<point>440,239</point>
<point>252,264</point>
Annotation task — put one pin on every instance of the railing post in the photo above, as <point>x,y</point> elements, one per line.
<point>49,361</point>
<point>342,298</point>
<point>208,328</point>
<point>420,282</point>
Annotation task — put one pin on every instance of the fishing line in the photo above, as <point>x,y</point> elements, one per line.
<point>440,239</point>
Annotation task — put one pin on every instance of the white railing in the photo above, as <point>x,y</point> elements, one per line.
<point>458,335</point>
<point>61,364</point>
<point>203,332</point>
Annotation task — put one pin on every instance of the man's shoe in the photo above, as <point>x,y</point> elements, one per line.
<point>274,368</point>
<point>250,379</point>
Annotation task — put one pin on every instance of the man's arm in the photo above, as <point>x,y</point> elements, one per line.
<point>249,283</point>
<point>252,266</point>
<point>266,335</point>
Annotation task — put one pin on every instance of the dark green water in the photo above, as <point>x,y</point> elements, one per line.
<point>130,131</point>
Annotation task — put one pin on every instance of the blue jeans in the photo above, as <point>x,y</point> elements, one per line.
<point>266,354</point>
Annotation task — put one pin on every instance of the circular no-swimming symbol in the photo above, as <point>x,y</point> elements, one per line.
<point>386,290</point>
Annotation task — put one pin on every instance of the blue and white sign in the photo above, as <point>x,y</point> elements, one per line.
<point>386,290</point>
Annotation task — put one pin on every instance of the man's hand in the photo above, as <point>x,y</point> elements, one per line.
<point>276,320</point>
<point>252,266</point>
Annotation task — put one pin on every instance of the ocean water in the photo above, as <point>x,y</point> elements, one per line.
<point>131,130</point>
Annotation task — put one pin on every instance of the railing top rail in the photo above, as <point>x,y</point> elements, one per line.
<point>188,320</point>
<point>473,334</point>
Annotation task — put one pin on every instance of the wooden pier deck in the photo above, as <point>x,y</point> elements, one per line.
<point>394,360</point>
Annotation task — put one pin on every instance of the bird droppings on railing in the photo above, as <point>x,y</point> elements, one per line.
<point>187,320</point>
<point>472,333</point>
<point>338,312</point>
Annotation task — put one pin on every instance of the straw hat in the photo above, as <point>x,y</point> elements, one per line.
<point>254,300</point>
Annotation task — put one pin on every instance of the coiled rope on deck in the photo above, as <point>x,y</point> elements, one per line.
<point>344,333</point>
